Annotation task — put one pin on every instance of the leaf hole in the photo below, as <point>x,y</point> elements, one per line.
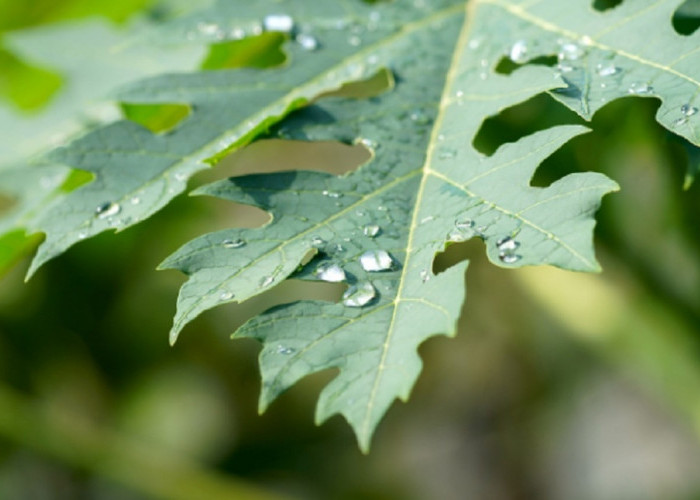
<point>454,253</point>
<point>539,113</point>
<point>261,51</point>
<point>278,155</point>
<point>382,81</point>
<point>158,118</point>
<point>603,5</point>
<point>686,19</point>
<point>506,65</point>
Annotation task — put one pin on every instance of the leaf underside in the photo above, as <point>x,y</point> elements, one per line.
<point>379,227</point>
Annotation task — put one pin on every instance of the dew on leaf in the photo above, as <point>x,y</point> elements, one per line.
<point>570,52</point>
<point>420,118</point>
<point>509,258</point>
<point>135,200</point>
<point>82,235</point>
<point>688,110</point>
<point>447,154</point>
<point>307,42</point>
<point>330,272</point>
<point>237,243</point>
<point>107,209</point>
<point>359,295</point>
<point>285,350</point>
<point>376,260</point>
<point>317,241</point>
<point>278,22</point>
<point>425,275</point>
<point>354,40</point>
<point>640,88</point>
<point>518,52</point>
<point>331,194</point>
<point>507,244</point>
<point>371,230</point>
<point>225,296</point>
<point>464,224</point>
<point>607,69</point>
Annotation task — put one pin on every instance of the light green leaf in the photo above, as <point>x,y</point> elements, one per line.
<point>379,228</point>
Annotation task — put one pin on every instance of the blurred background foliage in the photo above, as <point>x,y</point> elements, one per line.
<point>559,386</point>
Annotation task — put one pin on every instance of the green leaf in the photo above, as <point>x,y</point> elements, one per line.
<point>379,227</point>
<point>138,172</point>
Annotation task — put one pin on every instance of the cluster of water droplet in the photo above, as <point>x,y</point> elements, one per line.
<point>507,247</point>
<point>687,110</point>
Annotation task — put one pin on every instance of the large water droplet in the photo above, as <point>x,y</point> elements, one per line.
<point>371,230</point>
<point>518,52</point>
<point>307,42</point>
<point>237,243</point>
<point>376,260</point>
<point>509,258</point>
<point>278,22</point>
<point>507,244</point>
<point>359,295</point>
<point>108,209</point>
<point>330,272</point>
<point>688,110</point>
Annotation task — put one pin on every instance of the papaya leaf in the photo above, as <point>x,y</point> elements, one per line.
<point>379,228</point>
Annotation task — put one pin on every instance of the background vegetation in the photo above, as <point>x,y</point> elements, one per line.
<point>559,385</point>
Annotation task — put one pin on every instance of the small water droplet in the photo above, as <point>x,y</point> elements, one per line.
<point>518,52</point>
<point>237,243</point>
<point>640,88</point>
<point>447,154</point>
<point>237,33</point>
<point>680,121</point>
<point>371,230</point>
<point>135,200</point>
<point>509,258</point>
<point>570,52</point>
<point>330,272</point>
<point>376,260</point>
<point>354,40</point>
<point>339,248</point>
<point>441,137</point>
<point>225,296</point>
<point>688,110</point>
<point>278,22</point>
<point>464,224</point>
<point>180,176</point>
<point>307,42</point>
<point>607,69</point>
<point>285,350</point>
<point>586,40</point>
<point>420,118</point>
<point>507,244</point>
<point>427,219</point>
<point>474,43</point>
<point>369,143</point>
<point>82,235</point>
<point>317,241</point>
<point>267,281</point>
<point>359,295</point>
<point>331,194</point>
<point>107,209</point>
<point>210,29</point>
<point>425,275</point>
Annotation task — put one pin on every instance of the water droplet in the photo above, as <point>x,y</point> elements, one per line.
<point>459,94</point>
<point>640,88</point>
<point>359,295</point>
<point>688,110</point>
<point>507,244</point>
<point>180,176</point>
<point>317,241</point>
<point>331,194</point>
<point>339,248</point>
<point>376,260</point>
<point>371,230</point>
<point>441,137</point>
<point>420,118</point>
<point>680,121</point>
<point>237,33</point>
<point>285,350</point>
<point>474,43</point>
<point>267,281</point>
<point>354,40</point>
<point>586,40</point>
<point>107,209</point>
<point>464,224</point>
<point>330,272</point>
<point>607,69</point>
<point>518,52</point>
<point>424,275</point>
<point>135,200</point>
<point>369,143</point>
<point>570,52</point>
<point>447,154</point>
<point>226,296</point>
<point>509,258</point>
<point>307,42</point>
<point>82,235</point>
<point>237,243</point>
<point>427,219</point>
<point>278,22</point>
<point>208,28</point>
